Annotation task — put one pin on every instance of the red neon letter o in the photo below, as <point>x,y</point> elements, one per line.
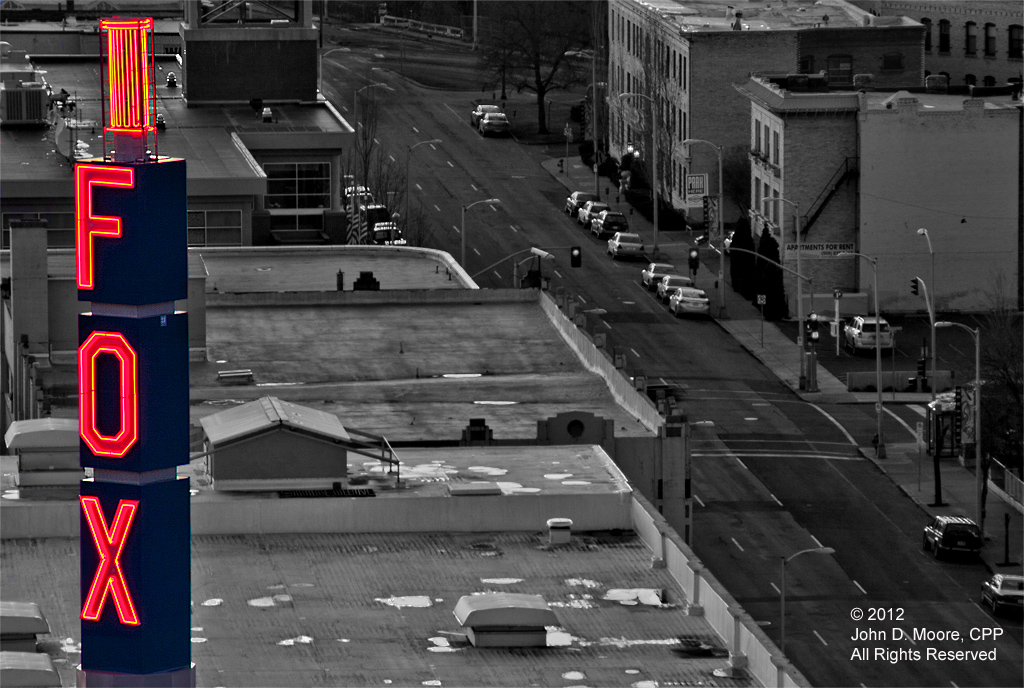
<point>113,343</point>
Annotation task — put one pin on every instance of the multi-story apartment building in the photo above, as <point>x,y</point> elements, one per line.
<point>973,42</point>
<point>685,58</point>
<point>862,171</point>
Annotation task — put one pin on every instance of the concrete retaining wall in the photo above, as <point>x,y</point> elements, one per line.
<point>749,646</point>
<point>370,298</point>
<point>861,381</point>
<point>595,361</point>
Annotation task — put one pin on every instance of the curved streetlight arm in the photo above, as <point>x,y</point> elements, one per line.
<point>815,550</point>
<point>463,230</point>
<point>767,260</point>
<point>782,590</point>
<point>486,200</point>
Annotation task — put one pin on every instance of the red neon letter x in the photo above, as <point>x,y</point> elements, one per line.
<point>109,544</point>
<point>88,225</point>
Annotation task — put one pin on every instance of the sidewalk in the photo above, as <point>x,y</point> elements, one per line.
<point>904,464</point>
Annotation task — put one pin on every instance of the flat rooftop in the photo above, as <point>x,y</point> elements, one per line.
<point>376,609</point>
<point>771,15</point>
<point>203,135</point>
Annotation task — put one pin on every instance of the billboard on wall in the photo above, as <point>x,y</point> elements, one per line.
<point>820,250</point>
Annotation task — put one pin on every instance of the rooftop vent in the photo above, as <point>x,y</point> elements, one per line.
<point>22,623</point>
<point>559,531</point>
<point>863,81</point>
<point>501,619</point>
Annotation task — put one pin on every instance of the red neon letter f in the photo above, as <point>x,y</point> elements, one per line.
<point>109,544</point>
<point>88,225</point>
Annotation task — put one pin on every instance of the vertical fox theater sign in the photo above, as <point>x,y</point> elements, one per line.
<point>131,265</point>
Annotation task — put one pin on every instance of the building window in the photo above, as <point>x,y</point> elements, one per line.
<point>767,141</point>
<point>970,79</point>
<point>297,185</point>
<point>892,62</point>
<point>971,39</point>
<point>927,34</point>
<point>990,40</point>
<point>807,64</point>
<point>775,147</point>
<point>215,227</point>
<point>944,36</point>
<point>840,70</point>
<point>775,205</point>
<point>989,81</point>
<point>684,72</point>
<point>60,228</point>
<point>757,136</point>
<point>757,197</point>
<point>1016,42</point>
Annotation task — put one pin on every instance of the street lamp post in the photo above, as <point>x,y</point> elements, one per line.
<point>654,158</point>
<point>355,97</point>
<point>408,154</point>
<point>878,352</point>
<point>976,333</point>
<point>320,68</point>
<point>595,84</point>
<point>931,305</point>
<point>782,591</point>
<point>799,284</point>
<point>463,231</point>
<point>721,237</point>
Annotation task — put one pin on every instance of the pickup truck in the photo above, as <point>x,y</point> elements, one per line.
<point>860,332</point>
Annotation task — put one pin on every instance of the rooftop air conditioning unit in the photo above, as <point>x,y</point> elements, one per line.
<point>24,104</point>
<point>501,619</point>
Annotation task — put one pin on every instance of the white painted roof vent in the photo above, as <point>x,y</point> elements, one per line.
<point>504,619</point>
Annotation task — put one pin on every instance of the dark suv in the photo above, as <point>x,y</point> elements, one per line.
<point>952,534</point>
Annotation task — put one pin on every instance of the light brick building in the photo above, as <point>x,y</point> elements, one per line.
<point>867,169</point>
<point>973,42</point>
<point>686,58</point>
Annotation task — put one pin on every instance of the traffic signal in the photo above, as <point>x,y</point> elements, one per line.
<point>812,325</point>
<point>915,286</point>
<point>694,260</point>
<point>922,369</point>
<point>576,257</point>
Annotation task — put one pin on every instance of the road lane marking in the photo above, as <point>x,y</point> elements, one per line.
<point>494,208</point>
<point>478,253</point>
<point>437,209</point>
<point>392,158</point>
<point>634,352</point>
<point>662,380</point>
<point>497,273</point>
<point>557,273</point>
<point>820,638</point>
<point>513,227</point>
<point>766,455</point>
<point>433,147</point>
<point>860,587</point>
<point>474,187</point>
<point>776,588</point>
<point>737,544</point>
<point>817,542</point>
<point>899,420</point>
<point>449,163</point>
<point>698,500</point>
<point>776,499</point>
<point>581,298</point>
<point>416,130</point>
<point>606,324</point>
<point>457,230</point>
<point>419,187</point>
<point>836,423</point>
<point>376,141</point>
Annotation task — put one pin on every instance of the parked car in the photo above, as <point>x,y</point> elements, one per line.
<point>494,123</point>
<point>689,301</point>
<point>576,200</point>
<point>860,332</point>
<point>387,234</point>
<point>952,534</point>
<point>479,112</point>
<point>625,244</point>
<point>589,211</point>
<point>608,222</point>
<point>357,192</point>
<point>1003,591</point>
<point>669,283</point>
<point>652,274</point>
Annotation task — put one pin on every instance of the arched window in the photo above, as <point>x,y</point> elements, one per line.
<point>989,81</point>
<point>971,39</point>
<point>970,79</point>
<point>1016,42</point>
<point>943,36</point>
<point>990,40</point>
<point>927,34</point>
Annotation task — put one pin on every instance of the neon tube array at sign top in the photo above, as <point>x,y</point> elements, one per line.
<point>128,74</point>
<point>115,344</point>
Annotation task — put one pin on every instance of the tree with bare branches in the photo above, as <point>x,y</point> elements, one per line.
<point>528,44</point>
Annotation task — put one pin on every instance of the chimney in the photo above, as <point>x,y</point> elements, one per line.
<point>559,531</point>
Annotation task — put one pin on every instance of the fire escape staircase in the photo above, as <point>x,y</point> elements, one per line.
<point>847,171</point>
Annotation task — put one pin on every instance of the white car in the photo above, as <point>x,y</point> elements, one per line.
<point>860,333</point>
<point>480,111</point>
<point>652,274</point>
<point>1003,591</point>
<point>589,211</point>
<point>669,283</point>
<point>689,301</point>
<point>626,244</point>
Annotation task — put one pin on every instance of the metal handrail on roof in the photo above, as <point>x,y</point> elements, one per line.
<point>380,444</point>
